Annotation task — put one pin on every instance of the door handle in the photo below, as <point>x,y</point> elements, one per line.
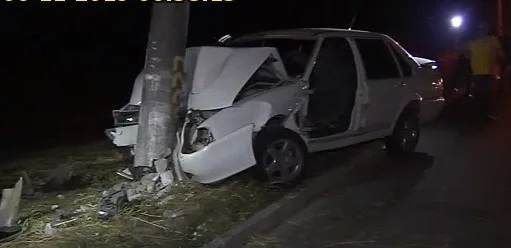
<point>400,85</point>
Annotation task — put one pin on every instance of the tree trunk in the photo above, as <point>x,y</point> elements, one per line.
<point>161,92</point>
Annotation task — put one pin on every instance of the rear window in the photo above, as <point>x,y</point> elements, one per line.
<point>378,62</point>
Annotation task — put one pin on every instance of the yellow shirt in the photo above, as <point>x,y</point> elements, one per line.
<point>483,54</point>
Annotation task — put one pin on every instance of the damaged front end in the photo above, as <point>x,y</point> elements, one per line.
<point>210,159</point>
<point>125,128</point>
<point>233,93</point>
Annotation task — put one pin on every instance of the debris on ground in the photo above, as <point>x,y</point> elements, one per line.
<point>49,230</point>
<point>156,182</point>
<point>9,206</point>
<point>167,217</point>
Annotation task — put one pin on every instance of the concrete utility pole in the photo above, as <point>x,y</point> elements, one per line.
<point>163,74</point>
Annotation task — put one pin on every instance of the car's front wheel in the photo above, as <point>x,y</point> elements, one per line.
<point>281,156</point>
<point>405,137</point>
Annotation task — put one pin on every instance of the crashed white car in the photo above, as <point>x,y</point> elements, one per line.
<point>267,99</point>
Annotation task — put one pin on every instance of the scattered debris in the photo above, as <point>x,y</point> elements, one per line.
<point>9,206</point>
<point>54,207</point>
<point>110,205</point>
<point>49,230</point>
<point>156,180</point>
<point>126,173</point>
<point>59,196</point>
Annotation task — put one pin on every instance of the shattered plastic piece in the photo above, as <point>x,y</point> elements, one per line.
<point>110,205</point>
<point>152,177</point>
<point>60,196</point>
<point>54,207</point>
<point>126,173</point>
<point>9,204</point>
<point>49,230</point>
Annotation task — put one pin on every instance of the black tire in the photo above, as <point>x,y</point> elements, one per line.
<point>397,144</point>
<point>270,136</point>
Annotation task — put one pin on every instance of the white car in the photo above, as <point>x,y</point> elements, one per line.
<point>267,99</point>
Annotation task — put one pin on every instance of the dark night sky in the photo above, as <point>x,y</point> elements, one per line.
<point>62,62</point>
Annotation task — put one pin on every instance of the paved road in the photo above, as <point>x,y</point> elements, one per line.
<point>455,192</point>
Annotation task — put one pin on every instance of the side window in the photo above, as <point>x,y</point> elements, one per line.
<point>403,63</point>
<point>335,65</point>
<point>377,59</point>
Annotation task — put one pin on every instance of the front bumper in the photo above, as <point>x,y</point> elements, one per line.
<point>221,158</point>
<point>123,136</point>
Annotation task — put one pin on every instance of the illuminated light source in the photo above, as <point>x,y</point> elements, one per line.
<point>456,21</point>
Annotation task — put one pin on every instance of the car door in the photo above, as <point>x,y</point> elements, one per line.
<point>383,78</point>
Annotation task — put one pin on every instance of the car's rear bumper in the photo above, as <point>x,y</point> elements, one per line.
<point>431,109</point>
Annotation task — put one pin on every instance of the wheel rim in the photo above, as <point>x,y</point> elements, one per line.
<point>283,161</point>
<point>409,135</point>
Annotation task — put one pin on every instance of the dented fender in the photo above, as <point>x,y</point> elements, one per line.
<point>222,158</point>
<point>228,120</point>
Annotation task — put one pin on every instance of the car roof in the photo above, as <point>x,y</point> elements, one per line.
<point>312,32</point>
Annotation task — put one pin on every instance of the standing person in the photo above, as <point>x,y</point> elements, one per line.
<point>484,52</point>
<point>505,41</point>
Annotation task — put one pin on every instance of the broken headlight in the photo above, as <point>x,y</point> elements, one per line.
<point>203,137</point>
<point>128,115</point>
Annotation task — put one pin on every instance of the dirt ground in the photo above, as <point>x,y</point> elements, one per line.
<point>192,215</point>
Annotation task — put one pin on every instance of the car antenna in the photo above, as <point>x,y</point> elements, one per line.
<point>354,18</point>
<point>353,21</point>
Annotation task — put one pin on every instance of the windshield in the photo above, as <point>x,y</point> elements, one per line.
<point>295,53</point>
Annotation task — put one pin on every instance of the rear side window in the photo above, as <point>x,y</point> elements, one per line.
<point>403,63</point>
<point>377,59</point>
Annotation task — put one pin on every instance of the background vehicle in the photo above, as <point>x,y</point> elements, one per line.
<point>270,98</point>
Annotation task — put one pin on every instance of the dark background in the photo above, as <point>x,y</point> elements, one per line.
<point>65,66</point>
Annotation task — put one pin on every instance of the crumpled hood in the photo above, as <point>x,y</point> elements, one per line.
<point>213,76</point>
<point>217,74</point>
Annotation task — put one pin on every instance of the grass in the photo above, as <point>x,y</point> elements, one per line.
<point>191,216</point>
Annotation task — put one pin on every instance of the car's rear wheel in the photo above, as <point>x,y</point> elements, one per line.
<point>281,156</point>
<point>406,134</point>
